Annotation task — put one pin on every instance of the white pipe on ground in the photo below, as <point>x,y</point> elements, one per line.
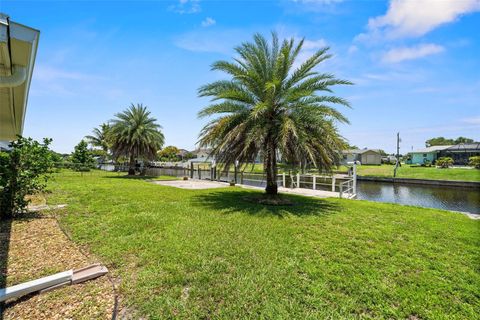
<point>35,285</point>
<point>54,281</point>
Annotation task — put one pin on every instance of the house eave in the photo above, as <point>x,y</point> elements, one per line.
<point>18,49</point>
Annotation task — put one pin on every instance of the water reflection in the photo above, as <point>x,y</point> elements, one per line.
<point>449,198</point>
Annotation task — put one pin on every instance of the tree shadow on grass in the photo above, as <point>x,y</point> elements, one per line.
<point>245,201</point>
<point>126,176</point>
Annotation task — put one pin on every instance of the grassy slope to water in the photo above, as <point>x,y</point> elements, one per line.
<point>211,254</point>
<point>432,173</point>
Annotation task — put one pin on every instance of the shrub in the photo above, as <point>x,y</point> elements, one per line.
<point>444,162</point>
<point>474,161</point>
<point>24,170</point>
<point>426,163</point>
<point>82,158</point>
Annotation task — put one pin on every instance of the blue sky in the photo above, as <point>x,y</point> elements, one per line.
<point>415,64</point>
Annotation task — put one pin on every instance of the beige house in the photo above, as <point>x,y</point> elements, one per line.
<point>365,156</point>
<point>202,153</point>
<point>18,48</point>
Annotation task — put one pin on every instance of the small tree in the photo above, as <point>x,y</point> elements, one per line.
<point>444,162</point>
<point>82,158</point>
<point>135,134</point>
<point>189,155</point>
<point>101,138</point>
<point>24,170</point>
<point>475,162</point>
<point>169,153</point>
<point>463,140</point>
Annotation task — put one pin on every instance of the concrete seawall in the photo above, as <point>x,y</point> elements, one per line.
<point>442,183</point>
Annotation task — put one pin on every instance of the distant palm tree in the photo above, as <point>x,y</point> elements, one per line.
<point>100,137</point>
<point>135,135</point>
<point>270,109</point>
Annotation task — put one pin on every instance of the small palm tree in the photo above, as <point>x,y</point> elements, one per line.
<point>135,134</point>
<point>100,137</point>
<point>266,108</point>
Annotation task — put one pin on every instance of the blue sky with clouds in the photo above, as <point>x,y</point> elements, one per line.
<point>415,64</point>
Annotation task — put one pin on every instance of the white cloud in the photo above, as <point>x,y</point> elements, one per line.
<point>414,18</point>
<point>186,7</point>
<point>208,22</point>
<point>318,6</point>
<point>352,49</point>
<point>409,53</point>
<point>427,90</point>
<point>314,44</point>
<point>473,120</point>
<point>49,73</point>
<point>211,40</point>
<point>55,81</point>
<point>318,1</point>
<point>387,77</point>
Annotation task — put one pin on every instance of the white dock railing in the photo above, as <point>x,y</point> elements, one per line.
<point>345,185</point>
<point>347,189</point>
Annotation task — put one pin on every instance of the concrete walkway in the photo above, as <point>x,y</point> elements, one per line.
<point>310,192</point>
<point>206,184</point>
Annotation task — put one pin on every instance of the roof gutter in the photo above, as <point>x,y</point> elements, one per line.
<point>18,77</point>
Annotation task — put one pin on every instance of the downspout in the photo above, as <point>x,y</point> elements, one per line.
<point>19,75</point>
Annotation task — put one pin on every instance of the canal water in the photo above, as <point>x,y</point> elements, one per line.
<point>447,198</point>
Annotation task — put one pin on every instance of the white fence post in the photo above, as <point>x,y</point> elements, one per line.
<point>314,182</point>
<point>298,180</point>
<point>333,183</point>
<point>355,178</point>
<point>283,180</point>
<point>341,189</point>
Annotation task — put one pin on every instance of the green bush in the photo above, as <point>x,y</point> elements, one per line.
<point>444,162</point>
<point>82,158</point>
<point>474,161</point>
<point>426,163</point>
<point>24,170</point>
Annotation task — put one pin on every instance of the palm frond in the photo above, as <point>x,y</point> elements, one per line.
<point>135,133</point>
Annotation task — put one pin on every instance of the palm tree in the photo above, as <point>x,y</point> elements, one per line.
<point>270,109</point>
<point>135,134</point>
<point>100,137</point>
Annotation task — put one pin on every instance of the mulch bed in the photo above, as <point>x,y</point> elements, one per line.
<point>38,248</point>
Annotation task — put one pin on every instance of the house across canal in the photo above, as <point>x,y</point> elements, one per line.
<point>460,153</point>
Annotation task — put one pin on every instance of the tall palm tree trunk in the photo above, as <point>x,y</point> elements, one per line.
<point>271,169</point>
<point>131,165</point>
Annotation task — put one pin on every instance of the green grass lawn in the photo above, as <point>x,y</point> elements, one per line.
<point>407,171</point>
<point>212,254</point>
